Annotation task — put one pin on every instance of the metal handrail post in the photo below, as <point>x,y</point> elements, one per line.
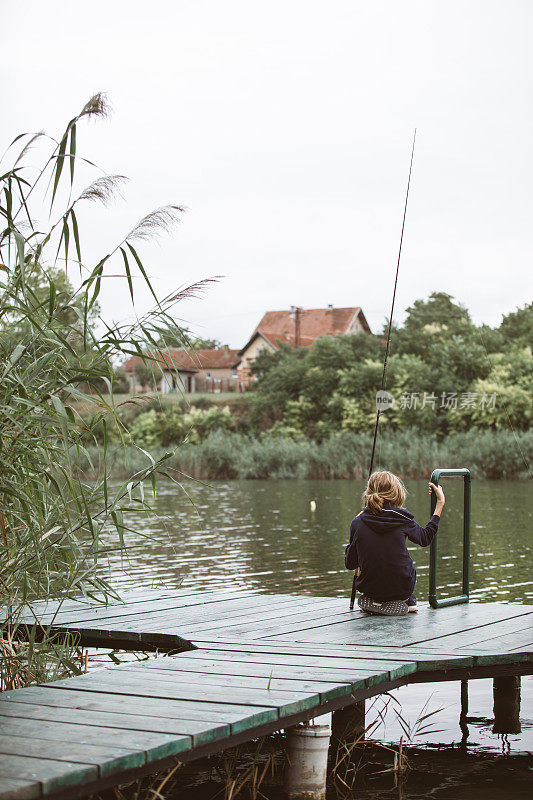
<point>464,597</point>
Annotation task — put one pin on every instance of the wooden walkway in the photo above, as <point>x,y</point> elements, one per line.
<point>250,664</point>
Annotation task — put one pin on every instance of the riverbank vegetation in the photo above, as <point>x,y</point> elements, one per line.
<point>55,353</point>
<point>226,455</point>
<point>462,395</point>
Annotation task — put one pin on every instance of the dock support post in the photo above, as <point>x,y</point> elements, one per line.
<point>348,724</point>
<point>307,762</point>
<point>463,718</point>
<point>506,693</point>
<point>347,760</point>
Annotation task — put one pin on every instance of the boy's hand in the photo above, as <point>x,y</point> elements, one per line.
<point>439,495</point>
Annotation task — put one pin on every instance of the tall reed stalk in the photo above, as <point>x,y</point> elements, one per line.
<point>55,351</point>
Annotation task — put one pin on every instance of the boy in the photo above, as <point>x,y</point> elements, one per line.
<point>377,549</point>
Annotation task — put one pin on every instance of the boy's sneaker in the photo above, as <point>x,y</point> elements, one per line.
<point>392,608</point>
<point>412,604</point>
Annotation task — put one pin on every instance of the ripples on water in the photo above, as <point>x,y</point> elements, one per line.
<point>263,535</point>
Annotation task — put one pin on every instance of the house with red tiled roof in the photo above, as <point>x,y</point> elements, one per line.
<point>189,370</point>
<point>297,327</point>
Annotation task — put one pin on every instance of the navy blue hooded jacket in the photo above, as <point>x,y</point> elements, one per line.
<point>378,547</point>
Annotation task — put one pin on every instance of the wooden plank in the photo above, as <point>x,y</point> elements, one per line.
<point>318,616</point>
<point>425,659</point>
<point>128,639</point>
<point>272,645</point>
<point>265,681</point>
<point>495,655</point>
<point>293,702</point>
<point>411,629</point>
<point>139,608</point>
<point>201,732</point>
<point>129,598</point>
<point>255,670</point>
<point>272,684</point>
<point>296,661</point>
<point>189,608</point>
<point>376,673</point>
<point>355,667</point>
<point>108,759</point>
<point>109,701</point>
<point>218,615</point>
<point>52,775</point>
<point>17,789</point>
<point>154,746</point>
<point>496,633</point>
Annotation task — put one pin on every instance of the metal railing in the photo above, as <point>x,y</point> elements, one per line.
<point>464,597</point>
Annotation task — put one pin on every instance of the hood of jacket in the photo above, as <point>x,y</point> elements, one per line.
<point>389,519</point>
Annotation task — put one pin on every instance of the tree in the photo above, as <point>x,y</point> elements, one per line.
<point>517,327</point>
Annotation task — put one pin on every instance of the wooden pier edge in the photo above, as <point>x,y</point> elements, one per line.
<point>320,657</point>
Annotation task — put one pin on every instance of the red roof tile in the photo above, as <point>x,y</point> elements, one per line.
<point>314,322</point>
<point>190,360</point>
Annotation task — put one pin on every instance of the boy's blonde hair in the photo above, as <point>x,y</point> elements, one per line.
<point>383,487</point>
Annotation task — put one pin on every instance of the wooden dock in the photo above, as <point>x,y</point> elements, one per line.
<point>248,665</point>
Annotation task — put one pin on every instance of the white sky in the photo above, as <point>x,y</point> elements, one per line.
<point>285,128</point>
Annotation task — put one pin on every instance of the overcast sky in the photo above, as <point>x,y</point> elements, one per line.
<point>285,129</point>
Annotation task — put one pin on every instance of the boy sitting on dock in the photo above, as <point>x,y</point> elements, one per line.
<point>378,551</point>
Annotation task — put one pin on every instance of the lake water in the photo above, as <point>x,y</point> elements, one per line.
<point>263,535</point>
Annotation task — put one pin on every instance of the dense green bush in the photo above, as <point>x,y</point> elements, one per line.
<point>176,425</point>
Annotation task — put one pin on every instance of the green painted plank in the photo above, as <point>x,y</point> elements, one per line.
<point>131,598</point>
<point>295,660</point>
<point>255,616</point>
<point>17,789</point>
<point>488,633</point>
<point>52,775</point>
<point>170,610</point>
<point>139,609</point>
<point>281,646</point>
<point>425,660</point>
<point>264,681</point>
<point>110,701</point>
<point>412,629</point>
<point>490,659</point>
<point>257,670</point>
<point>108,759</point>
<point>217,615</point>
<point>116,684</point>
<point>135,640</point>
<point>318,615</point>
<point>154,746</point>
<point>201,732</point>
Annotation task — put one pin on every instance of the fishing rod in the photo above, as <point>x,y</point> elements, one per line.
<point>387,348</point>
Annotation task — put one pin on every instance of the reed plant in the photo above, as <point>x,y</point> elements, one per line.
<point>226,455</point>
<point>57,352</point>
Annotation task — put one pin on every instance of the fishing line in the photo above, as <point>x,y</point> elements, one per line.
<point>387,348</point>
<point>392,306</point>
